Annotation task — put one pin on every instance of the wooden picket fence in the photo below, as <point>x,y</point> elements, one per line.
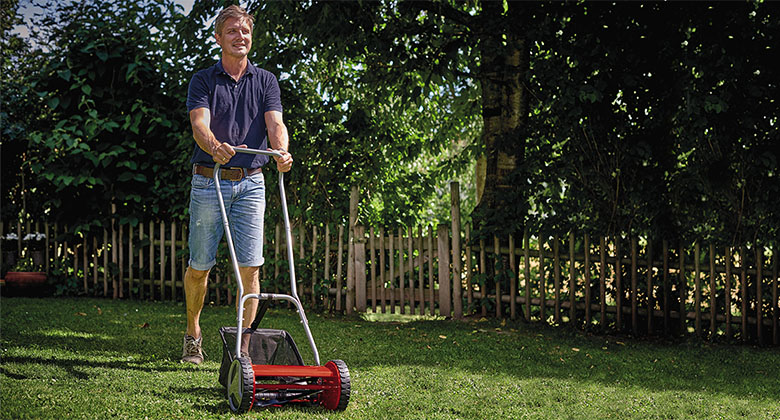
<point>621,284</point>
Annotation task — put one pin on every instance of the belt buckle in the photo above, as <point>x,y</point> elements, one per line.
<point>239,174</point>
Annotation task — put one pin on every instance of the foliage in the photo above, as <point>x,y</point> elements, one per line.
<point>20,108</point>
<point>113,132</point>
<point>64,278</point>
<point>360,115</point>
<point>657,120</point>
<point>26,264</point>
<point>651,127</point>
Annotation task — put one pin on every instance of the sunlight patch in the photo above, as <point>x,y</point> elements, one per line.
<point>79,334</point>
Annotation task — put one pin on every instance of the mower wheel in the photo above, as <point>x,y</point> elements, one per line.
<point>241,385</point>
<point>338,400</point>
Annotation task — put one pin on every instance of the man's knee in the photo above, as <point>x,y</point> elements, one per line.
<point>196,276</point>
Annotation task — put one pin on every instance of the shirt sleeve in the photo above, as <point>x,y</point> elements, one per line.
<point>272,100</point>
<point>197,93</point>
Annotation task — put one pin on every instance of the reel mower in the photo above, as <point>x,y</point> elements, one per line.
<point>269,370</point>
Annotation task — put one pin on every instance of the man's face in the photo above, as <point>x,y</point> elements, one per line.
<point>236,38</point>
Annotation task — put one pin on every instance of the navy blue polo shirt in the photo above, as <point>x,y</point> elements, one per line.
<point>237,110</point>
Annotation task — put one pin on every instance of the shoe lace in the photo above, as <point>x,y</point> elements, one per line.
<point>192,347</point>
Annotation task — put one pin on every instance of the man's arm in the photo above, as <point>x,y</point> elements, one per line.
<point>279,139</point>
<point>200,119</point>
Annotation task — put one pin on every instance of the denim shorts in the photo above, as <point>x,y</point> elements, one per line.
<point>245,207</point>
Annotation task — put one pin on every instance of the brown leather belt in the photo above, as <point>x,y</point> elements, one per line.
<point>229,174</point>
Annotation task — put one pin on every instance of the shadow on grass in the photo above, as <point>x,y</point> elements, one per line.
<point>76,368</point>
<point>527,351</point>
<point>520,350</point>
<point>222,407</point>
<point>213,393</point>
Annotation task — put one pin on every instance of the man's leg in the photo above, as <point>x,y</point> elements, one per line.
<point>250,278</point>
<point>204,236</point>
<point>195,286</point>
<point>246,216</point>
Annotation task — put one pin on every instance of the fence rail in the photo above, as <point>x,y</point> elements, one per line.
<point>608,283</point>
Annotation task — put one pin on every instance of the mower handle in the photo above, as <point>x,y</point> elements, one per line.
<point>290,259</point>
<point>269,152</point>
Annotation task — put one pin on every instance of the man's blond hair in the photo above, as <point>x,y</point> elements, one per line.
<point>233,11</point>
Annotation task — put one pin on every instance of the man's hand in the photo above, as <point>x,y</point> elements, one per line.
<point>283,163</point>
<point>223,152</point>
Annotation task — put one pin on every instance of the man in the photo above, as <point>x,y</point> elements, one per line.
<point>231,104</point>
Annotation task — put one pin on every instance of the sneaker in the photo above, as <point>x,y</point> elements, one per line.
<point>192,351</point>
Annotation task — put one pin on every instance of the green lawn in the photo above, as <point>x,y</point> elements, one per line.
<point>102,359</point>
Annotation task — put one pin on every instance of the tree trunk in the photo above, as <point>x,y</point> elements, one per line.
<point>504,61</point>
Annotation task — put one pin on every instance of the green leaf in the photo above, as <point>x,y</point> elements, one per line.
<point>64,74</point>
<point>102,55</point>
<point>125,176</point>
<point>65,179</point>
<point>130,71</point>
<point>86,89</point>
<point>53,102</point>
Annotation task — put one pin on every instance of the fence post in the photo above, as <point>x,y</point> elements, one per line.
<point>618,283</point>
<point>431,294</point>
<point>163,260</point>
<point>650,288</point>
<point>105,262</point>
<point>151,260</point>
<point>339,266</point>
<point>557,279</point>
<point>420,273</point>
<point>603,283</point>
<point>391,280</point>
<point>401,271</point>
<point>727,292</point>
<point>314,266</point>
<point>683,292</point>
<point>114,281</point>
<point>46,250</point>
<point>497,262</point>
<point>634,284</point>
<point>172,251</point>
<point>572,281</point>
<point>130,258</point>
<point>19,240</point>
<point>373,261</point>
<point>667,287</point>
<point>121,260</point>
<point>382,275</point>
<point>360,269</point>
<point>775,304</point>
<point>326,297</point>
<point>445,308</point>
<point>513,277</point>
<point>587,278</point>
<point>527,272</point>
<point>759,297</point>
<point>456,250</point>
<point>743,291</point>
<point>410,248</point>
<point>542,284</point>
<point>301,259</point>
<point>697,288</point>
<point>353,202</point>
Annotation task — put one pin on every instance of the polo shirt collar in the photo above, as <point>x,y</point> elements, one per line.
<point>250,68</point>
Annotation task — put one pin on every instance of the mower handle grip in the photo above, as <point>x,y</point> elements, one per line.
<point>270,152</point>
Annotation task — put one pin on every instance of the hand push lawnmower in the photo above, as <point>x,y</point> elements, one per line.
<point>270,370</point>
